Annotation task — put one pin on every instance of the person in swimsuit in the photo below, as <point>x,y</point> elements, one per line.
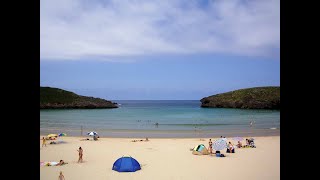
<point>230,147</point>
<point>44,142</point>
<point>247,143</point>
<point>210,146</point>
<point>80,154</point>
<point>61,176</point>
<point>61,163</point>
<point>239,145</point>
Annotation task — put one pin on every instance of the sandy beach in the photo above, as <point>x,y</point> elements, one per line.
<point>161,159</point>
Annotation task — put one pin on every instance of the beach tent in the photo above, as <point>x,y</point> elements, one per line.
<point>200,150</point>
<point>126,164</point>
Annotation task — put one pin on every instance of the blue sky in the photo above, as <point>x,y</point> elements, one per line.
<point>159,49</point>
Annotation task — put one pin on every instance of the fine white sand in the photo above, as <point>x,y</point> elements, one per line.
<point>161,159</point>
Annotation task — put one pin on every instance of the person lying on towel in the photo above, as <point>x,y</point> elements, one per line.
<point>56,163</point>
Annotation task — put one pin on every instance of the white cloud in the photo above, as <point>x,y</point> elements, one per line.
<point>77,29</point>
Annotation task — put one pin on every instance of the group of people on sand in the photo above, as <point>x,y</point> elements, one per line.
<point>61,162</point>
<point>230,146</point>
<point>95,138</point>
<point>147,139</point>
<point>44,141</point>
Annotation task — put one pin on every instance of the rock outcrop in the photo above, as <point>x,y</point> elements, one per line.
<point>54,98</point>
<point>250,98</point>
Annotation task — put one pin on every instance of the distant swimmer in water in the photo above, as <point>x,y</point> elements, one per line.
<point>157,124</point>
<point>251,123</point>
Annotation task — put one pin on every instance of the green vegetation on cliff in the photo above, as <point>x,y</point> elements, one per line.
<point>250,98</point>
<point>54,98</point>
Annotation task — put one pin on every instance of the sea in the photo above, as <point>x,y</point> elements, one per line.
<point>161,119</point>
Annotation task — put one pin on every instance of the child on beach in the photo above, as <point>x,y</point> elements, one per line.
<point>44,142</point>
<point>239,145</point>
<point>210,146</point>
<point>61,177</point>
<point>80,154</point>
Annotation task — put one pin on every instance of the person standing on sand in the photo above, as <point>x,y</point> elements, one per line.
<point>80,154</point>
<point>44,142</point>
<point>61,176</point>
<point>210,146</point>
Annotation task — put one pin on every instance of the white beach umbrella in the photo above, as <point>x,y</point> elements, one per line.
<point>238,138</point>
<point>219,144</point>
<point>92,133</point>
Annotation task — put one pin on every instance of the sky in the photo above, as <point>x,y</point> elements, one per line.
<point>159,50</point>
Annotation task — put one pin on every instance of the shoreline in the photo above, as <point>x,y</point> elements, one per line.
<point>163,138</point>
<point>168,134</point>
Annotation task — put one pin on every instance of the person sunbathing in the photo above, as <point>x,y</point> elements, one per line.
<point>61,163</point>
<point>147,139</point>
<point>56,163</point>
<point>136,140</point>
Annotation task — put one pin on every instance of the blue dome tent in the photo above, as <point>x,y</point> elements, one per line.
<point>126,164</point>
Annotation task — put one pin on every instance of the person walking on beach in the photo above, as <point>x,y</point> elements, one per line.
<point>80,154</point>
<point>44,142</point>
<point>61,176</point>
<point>210,146</point>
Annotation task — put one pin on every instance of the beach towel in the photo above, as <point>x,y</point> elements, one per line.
<point>48,163</point>
<point>52,163</point>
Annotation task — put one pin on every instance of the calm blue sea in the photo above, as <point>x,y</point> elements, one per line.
<point>172,116</point>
